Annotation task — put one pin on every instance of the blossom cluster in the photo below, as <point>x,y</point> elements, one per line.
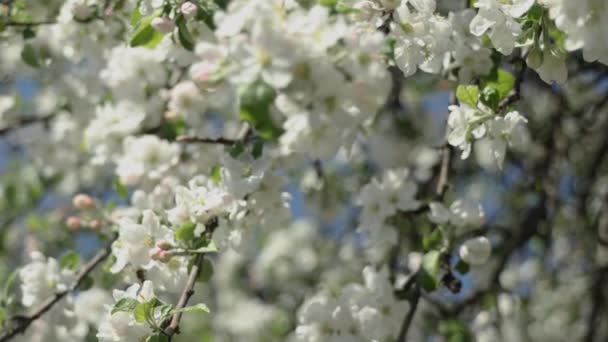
<point>205,115</point>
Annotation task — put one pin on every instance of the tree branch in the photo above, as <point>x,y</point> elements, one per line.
<point>21,323</point>
<point>407,322</point>
<point>185,297</point>
<point>193,139</point>
<point>25,122</point>
<point>173,327</point>
<point>28,24</point>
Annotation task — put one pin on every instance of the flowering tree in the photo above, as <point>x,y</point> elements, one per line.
<point>303,170</point>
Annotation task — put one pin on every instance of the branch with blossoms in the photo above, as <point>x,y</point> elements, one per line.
<point>173,326</point>
<point>139,89</point>
<point>18,324</point>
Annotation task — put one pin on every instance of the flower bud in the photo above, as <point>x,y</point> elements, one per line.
<point>82,201</point>
<point>189,10</point>
<point>81,11</point>
<point>159,254</point>
<point>95,224</point>
<point>73,223</point>
<point>163,25</point>
<point>164,245</point>
<point>476,251</point>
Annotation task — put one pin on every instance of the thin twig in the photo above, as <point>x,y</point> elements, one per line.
<point>21,323</point>
<point>405,327</point>
<point>193,139</point>
<point>28,24</point>
<point>185,297</point>
<point>442,183</point>
<point>24,123</point>
<point>173,327</point>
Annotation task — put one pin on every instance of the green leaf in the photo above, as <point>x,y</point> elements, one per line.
<point>207,271</point>
<point>145,311</point>
<point>86,283</point>
<point>8,285</point>
<point>205,14</point>
<point>535,12</point>
<point>30,56</point>
<point>501,80</point>
<point>432,240</point>
<point>455,331</point>
<point>69,260</point>
<point>183,34</point>
<point>428,274</point>
<point>490,97</point>
<point>256,99</point>
<point>124,305</point>
<point>258,149</point>
<point>215,174</point>
<point>328,3</point>
<point>158,338</point>
<point>185,232</point>
<point>468,95</point>
<point>135,16</point>
<point>145,34</point>
<point>194,308</point>
<point>462,267</point>
<point>207,249</point>
<point>172,129</point>
<point>236,149</point>
<point>121,189</point>
<point>28,33</point>
<point>164,311</point>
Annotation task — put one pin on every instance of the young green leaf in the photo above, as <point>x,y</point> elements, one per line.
<point>428,276</point>
<point>468,95</point>
<point>206,271</point>
<point>256,99</point>
<point>194,308</point>
<point>30,56</point>
<point>145,311</point>
<point>158,338</point>
<point>121,189</point>
<point>185,232</point>
<point>207,249</point>
<point>69,260</point>
<point>183,33</point>
<point>432,240</point>
<point>490,97</point>
<point>215,174</point>
<point>124,305</point>
<point>145,34</point>
<point>501,80</point>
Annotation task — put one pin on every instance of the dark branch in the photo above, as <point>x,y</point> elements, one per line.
<point>197,140</point>
<point>29,24</point>
<point>25,122</point>
<point>405,327</point>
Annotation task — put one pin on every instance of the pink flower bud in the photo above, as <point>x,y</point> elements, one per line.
<point>159,254</point>
<point>163,25</point>
<point>95,224</point>
<point>73,223</point>
<point>82,201</point>
<point>189,10</point>
<point>164,245</point>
